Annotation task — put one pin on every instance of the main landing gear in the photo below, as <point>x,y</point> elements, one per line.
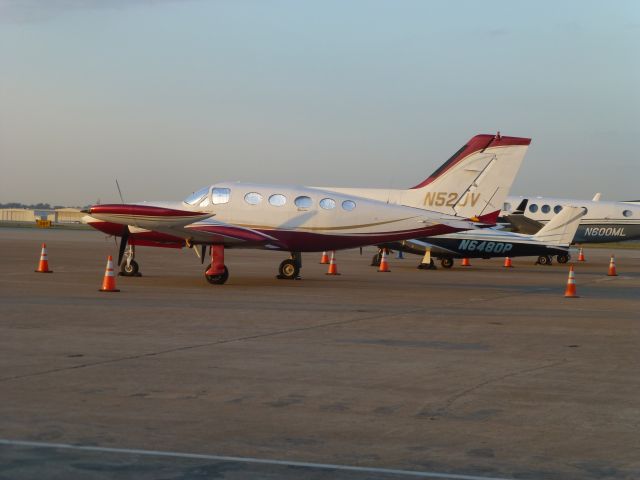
<point>130,268</point>
<point>290,268</point>
<point>544,260</point>
<point>563,258</point>
<point>216,272</point>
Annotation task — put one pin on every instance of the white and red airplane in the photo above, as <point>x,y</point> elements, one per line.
<point>465,193</point>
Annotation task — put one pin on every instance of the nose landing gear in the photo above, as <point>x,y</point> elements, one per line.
<point>130,268</point>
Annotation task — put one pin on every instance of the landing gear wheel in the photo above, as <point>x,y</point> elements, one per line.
<point>376,259</point>
<point>288,270</point>
<point>544,260</point>
<point>129,269</point>
<point>563,258</point>
<point>447,262</point>
<point>217,279</point>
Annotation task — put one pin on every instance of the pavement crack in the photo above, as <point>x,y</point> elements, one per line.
<point>449,402</point>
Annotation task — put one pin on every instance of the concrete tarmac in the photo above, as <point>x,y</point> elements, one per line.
<point>469,373</point>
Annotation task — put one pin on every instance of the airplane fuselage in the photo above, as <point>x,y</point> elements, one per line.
<point>301,219</point>
<point>605,221</point>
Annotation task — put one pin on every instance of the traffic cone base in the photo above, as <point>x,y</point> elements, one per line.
<point>43,266</point>
<point>570,291</point>
<point>465,262</point>
<point>109,281</point>
<point>333,267</point>
<point>507,262</point>
<point>384,265</point>
<point>612,267</point>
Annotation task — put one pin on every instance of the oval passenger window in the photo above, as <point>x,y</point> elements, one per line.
<point>253,198</point>
<point>303,202</point>
<point>277,200</point>
<point>328,203</point>
<point>348,205</point>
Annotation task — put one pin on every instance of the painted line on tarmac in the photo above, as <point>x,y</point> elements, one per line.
<point>251,460</point>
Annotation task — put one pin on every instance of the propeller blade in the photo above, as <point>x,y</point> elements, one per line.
<point>123,243</point>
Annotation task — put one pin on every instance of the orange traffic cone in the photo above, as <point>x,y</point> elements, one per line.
<point>384,265</point>
<point>333,267</point>
<point>612,267</point>
<point>465,262</point>
<point>507,262</point>
<point>581,255</point>
<point>324,260</point>
<point>570,292</point>
<point>109,282</point>
<point>43,266</point>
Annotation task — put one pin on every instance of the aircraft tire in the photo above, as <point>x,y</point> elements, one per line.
<point>375,260</point>
<point>217,279</point>
<point>543,260</point>
<point>288,270</point>
<point>447,262</point>
<point>130,270</point>
<point>563,258</point>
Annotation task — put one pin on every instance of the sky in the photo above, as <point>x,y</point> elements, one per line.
<point>169,96</point>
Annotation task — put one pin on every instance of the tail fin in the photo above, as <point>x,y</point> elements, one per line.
<point>475,181</point>
<point>561,229</point>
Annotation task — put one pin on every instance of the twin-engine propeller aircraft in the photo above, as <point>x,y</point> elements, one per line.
<point>553,239</point>
<point>605,221</point>
<point>465,193</point>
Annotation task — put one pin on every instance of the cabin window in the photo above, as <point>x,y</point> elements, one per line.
<point>220,195</point>
<point>506,207</point>
<point>277,200</point>
<point>195,197</point>
<point>253,198</point>
<point>545,209</point>
<point>627,213</point>
<point>557,209</point>
<point>533,208</point>
<point>328,203</point>
<point>303,202</point>
<point>348,205</point>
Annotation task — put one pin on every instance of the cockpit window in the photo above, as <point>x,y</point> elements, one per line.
<point>220,195</point>
<point>195,197</point>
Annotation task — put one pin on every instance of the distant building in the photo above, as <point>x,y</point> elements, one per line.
<point>60,215</point>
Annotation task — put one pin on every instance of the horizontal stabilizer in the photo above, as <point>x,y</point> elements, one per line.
<point>561,229</point>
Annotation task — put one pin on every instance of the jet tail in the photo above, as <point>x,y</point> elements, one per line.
<point>561,229</point>
<point>475,181</point>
